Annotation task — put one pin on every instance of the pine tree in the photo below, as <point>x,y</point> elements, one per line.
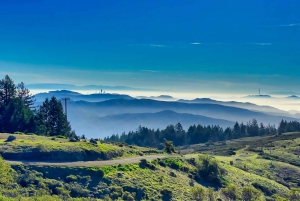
<point>24,94</point>
<point>51,119</point>
<point>17,117</point>
<point>7,90</point>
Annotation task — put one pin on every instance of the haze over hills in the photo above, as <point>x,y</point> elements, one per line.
<point>245,105</point>
<point>56,86</point>
<point>75,96</point>
<point>100,115</point>
<point>82,113</point>
<point>160,97</point>
<point>259,96</point>
<point>293,97</point>
<point>119,123</point>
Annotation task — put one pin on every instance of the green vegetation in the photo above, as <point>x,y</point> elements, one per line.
<point>125,182</point>
<point>34,147</point>
<point>245,162</point>
<point>17,113</point>
<point>168,146</point>
<point>244,176</point>
<point>196,134</point>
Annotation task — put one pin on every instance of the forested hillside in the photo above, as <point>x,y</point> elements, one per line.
<point>18,114</point>
<point>201,134</point>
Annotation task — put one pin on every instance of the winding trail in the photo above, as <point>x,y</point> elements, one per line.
<point>88,163</point>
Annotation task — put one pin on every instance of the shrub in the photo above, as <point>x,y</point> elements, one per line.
<point>264,189</point>
<point>127,196</point>
<point>162,163</point>
<point>10,138</point>
<point>250,194</point>
<point>116,192</point>
<point>172,174</point>
<point>71,178</point>
<point>62,192</point>
<point>72,140</point>
<point>168,146</point>
<point>209,169</point>
<point>143,161</point>
<point>198,193</point>
<point>294,194</point>
<point>230,192</point>
<point>166,192</point>
<point>211,195</point>
<point>5,172</point>
<point>93,141</point>
<point>78,191</point>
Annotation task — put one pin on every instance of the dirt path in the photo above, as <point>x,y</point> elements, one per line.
<point>89,163</point>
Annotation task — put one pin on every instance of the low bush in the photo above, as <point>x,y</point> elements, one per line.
<point>230,192</point>
<point>93,141</point>
<point>11,138</point>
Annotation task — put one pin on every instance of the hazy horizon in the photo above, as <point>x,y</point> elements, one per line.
<point>227,47</point>
<point>278,101</point>
<point>222,50</point>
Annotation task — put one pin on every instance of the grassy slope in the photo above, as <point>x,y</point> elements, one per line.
<point>141,182</point>
<point>249,166</point>
<point>270,163</point>
<point>32,147</point>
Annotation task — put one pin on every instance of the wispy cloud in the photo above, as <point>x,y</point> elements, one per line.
<point>195,43</point>
<point>284,25</point>
<point>290,25</point>
<point>150,71</point>
<point>262,44</point>
<point>157,45</point>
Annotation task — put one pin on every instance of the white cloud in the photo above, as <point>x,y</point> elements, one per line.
<point>262,44</point>
<point>196,43</point>
<point>291,25</point>
<point>156,45</point>
<point>150,71</point>
<point>284,25</point>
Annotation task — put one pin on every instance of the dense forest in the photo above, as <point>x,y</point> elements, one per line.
<point>18,114</point>
<point>200,134</point>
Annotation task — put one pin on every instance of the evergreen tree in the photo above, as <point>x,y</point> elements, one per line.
<point>236,130</point>
<point>24,94</point>
<point>17,117</point>
<point>282,127</point>
<point>51,119</point>
<point>7,90</point>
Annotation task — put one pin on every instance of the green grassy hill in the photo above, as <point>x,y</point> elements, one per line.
<point>41,148</point>
<point>268,166</point>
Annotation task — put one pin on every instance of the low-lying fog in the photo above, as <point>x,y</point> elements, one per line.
<point>279,101</point>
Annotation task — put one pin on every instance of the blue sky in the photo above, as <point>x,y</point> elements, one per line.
<point>218,46</point>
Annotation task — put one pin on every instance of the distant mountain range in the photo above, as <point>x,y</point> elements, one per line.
<point>293,97</point>
<point>161,97</point>
<point>53,86</point>
<point>258,96</point>
<point>130,121</point>
<point>100,115</point>
<point>74,96</point>
<point>245,105</point>
<point>82,113</point>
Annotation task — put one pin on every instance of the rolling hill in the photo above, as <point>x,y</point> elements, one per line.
<point>75,96</point>
<point>245,105</point>
<point>97,119</point>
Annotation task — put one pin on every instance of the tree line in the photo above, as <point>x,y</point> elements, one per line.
<point>19,114</point>
<point>196,134</point>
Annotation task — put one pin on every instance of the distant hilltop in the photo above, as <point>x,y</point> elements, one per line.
<point>293,96</point>
<point>54,86</point>
<point>258,96</point>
